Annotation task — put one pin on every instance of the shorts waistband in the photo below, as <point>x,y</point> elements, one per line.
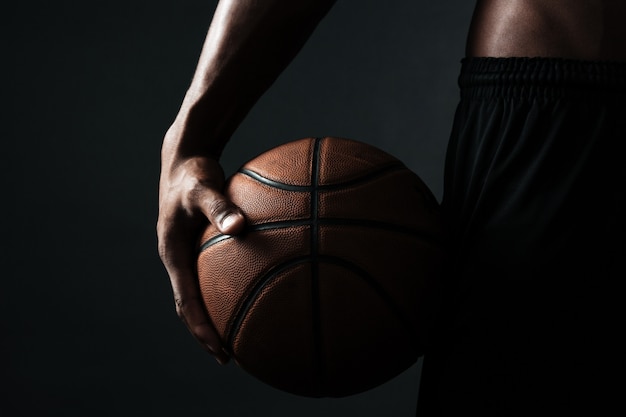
<point>541,77</point>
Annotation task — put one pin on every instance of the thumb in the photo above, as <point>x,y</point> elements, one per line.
<point>221,212</point>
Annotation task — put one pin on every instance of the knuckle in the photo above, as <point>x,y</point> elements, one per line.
<point>165,244</point>
<point>180,309</point>
<point>161,227</point>
<point>195,191</point>
<point>162,248</point>
<point>183,304</point>
<point>194,187</point>
<point>218,208</point>
<point>195,322</point>
<point>169,215</point>
<point>179,313</point>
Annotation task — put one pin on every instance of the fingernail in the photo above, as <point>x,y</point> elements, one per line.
<point>228,221</point>
<point>220,357</point>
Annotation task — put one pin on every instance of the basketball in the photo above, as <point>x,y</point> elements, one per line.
<point>328,291</point>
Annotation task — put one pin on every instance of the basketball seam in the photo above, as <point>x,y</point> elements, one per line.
<point>379,290</point>
<point>314,223</point>
<point>253,294</point>
<point>391,168</point>
<point>328,221</point>
<point>318,362</point>
<point>373,284</point>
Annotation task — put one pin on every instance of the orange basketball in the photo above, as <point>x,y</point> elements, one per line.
<point>325,294</point>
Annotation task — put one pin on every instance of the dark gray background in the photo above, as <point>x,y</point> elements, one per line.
<point>88,89</point>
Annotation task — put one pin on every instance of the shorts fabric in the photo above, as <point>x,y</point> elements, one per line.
<point>535,194</point>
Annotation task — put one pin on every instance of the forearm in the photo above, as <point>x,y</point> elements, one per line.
<point>248,45</point>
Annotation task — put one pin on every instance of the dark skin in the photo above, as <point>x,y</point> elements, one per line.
<point>248,45</point>
<point>577,29</point>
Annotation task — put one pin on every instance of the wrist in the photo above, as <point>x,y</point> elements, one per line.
<point>196,131</point>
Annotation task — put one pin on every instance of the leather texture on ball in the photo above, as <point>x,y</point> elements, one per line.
<point>327,291</point>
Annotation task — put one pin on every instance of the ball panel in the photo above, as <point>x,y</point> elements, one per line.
<point>396,198</point>
<point>404,266</point>
<point>228,270</point>
<point>378,250</point>
<point>364,343</point>
<point>262,203</point>
<point>275,339</point>
<point>289,163</point>
<point>343,160</point>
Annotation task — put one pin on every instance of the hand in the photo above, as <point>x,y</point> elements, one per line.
<point>189,195</point>
<point>247,46</point>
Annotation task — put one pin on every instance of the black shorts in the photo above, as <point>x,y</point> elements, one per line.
<point>535,193</point>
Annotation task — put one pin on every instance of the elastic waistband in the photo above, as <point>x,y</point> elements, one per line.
<point>541,77</point>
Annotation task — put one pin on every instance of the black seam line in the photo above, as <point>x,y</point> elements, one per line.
<point>213,241</point>
<point>275,184</point>
<point>370,224</point>
<point>400,314</point>
<point>395,166</point>
<point>316,326</point>
<point>269,277</point>
<point>242,310</point>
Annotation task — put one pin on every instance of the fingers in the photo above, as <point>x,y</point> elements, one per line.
<point>202,182</point>
<point>190,309</point>
<point>222,213</point>
<point>178,253</point>
<point>188,197</point>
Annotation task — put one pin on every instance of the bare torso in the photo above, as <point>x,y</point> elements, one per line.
<point>578,29</point>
